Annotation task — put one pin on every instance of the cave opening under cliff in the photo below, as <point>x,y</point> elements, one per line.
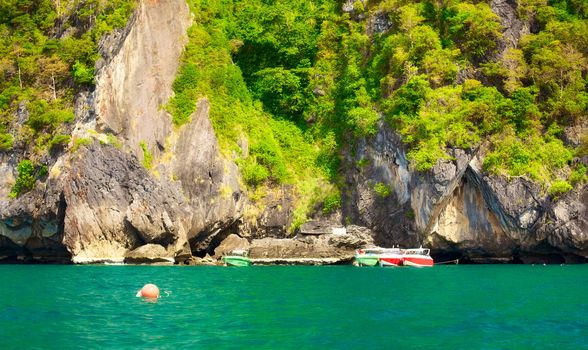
<point>208,240</point>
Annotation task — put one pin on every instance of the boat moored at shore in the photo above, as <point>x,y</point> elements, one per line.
<point>391,257</point>
<point>416,257</point>
<point>237,257</point>
<point>367,257</point>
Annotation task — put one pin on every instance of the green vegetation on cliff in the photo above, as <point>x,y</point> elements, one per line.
<point>28,174</point>
<point>293,84</point>
<point>443,82</point>
<point>257,108</point>
<point>48,50</point>
<point>441,73</point>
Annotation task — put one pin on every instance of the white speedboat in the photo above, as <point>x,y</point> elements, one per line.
<point>391,257</point>
<point>417,257</point>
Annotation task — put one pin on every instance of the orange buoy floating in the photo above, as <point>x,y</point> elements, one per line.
<point>149,291</point>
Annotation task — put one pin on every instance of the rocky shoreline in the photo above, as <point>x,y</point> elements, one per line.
<point>323,243</point>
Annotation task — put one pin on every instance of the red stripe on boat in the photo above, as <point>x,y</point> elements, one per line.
<point>417,260</point>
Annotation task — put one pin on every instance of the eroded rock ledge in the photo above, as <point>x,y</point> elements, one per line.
<point>315,248</point>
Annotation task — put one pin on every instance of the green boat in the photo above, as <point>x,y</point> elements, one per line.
<point>237,258</point>
<point>367,257</point>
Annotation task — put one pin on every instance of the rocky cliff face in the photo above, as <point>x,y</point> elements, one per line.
<point>113,207</point>
<point>459,211</point>
<point>139,68</point>
<point>130,92</point>
<point>99,203</point>
<point>455,208</point>
<point>210,182</point>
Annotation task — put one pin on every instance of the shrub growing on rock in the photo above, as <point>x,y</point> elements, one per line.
<point>25,180</point>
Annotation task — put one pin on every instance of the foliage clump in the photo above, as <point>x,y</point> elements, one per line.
<point>27,176</point>
<point>48,50</point>
<point>147,156</point>
<point>6,141</point>
<point>79,142</point>
<point>382,190</point>
<point>332,202</point>
<point>300,81</point>
<point>59,141</point>
<point>559,188</point>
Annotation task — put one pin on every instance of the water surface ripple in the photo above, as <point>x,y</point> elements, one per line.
<point>278,307</point>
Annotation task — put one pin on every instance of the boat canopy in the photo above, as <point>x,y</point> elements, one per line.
<point>416,251</point>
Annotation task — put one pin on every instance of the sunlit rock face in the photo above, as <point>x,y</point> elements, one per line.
<point>135,80</point>
<point>107,204</point>
<point>114,205</point>
<point>458,210</point>
<point>101,203</point>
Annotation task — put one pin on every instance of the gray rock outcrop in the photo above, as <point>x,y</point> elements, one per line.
<point>210,181</point>
<point>149,254</point>
<point>340,247</point>
<point>136,80</point>
<point>318,227</point>
<point>513,27</point>
<point>459,211</point>
<point>232,242</point>
<point>415,197</point>
<point>113,206</point>
<point>132,88</point>
<point>99,202</point>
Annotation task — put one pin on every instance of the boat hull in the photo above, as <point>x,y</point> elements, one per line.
<point>391,261</point>
<point>417,261</point>
<point>236,261</point>
<point>366,260</point>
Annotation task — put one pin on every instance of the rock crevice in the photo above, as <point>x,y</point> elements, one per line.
<point>457,209</point>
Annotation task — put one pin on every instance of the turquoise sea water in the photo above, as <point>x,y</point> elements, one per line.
<point>297,307</point>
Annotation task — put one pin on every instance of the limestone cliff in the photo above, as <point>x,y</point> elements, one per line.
<point>130,92</point>
<point>99,203</point>
<point>456,208</point>
<point>161,193</point>
<point>459,211</point>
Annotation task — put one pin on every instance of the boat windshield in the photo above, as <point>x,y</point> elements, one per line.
<point>419,251</point>
<point>378,251</point>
